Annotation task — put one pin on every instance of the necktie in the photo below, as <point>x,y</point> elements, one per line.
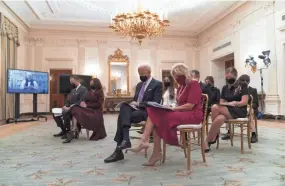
<point>140,97</point>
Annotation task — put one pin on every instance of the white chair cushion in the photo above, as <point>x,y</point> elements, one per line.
<point>57,111</point>
<point>190,126</point>
<point>238,119</point>
<point>140,123</point>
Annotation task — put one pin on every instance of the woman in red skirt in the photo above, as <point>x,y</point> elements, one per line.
<point>163,122</point>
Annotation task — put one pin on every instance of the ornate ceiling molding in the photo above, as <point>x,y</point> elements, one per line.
<point>268,7</point>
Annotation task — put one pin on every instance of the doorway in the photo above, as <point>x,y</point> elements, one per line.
<point>219,66</point>
<point>56,99</point>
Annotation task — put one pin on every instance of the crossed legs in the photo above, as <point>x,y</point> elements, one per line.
<point>219,115</point>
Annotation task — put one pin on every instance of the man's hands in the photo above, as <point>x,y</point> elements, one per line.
<point>134,103</point>
<point>83,104</point>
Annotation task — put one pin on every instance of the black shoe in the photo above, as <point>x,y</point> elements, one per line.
<point>70,137</point>
<point>59,134</point>
<point>208,150</point>
<point>124,145</point>
<point>226,136</point>
<point>116,156</point>
<point>64,136</point>
<point>76,135</point>
<point>254,139</point>
<point>213,142</point>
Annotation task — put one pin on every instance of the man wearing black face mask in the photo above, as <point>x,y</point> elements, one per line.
<point>76,96</point>
<point>148,89</point>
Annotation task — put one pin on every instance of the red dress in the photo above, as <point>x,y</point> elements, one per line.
<point>166,121</point>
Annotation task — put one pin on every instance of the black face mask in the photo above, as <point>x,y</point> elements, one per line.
<point>209,84</point>
<point>231,81</point>
<point>166,84</point>
<point>143,78</point>
<point>92,87</point>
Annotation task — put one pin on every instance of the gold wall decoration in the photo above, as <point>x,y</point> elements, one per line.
<point>118,58</point>
<point>10,30</point>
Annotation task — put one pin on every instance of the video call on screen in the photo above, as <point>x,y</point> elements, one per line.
<point>27,82</point>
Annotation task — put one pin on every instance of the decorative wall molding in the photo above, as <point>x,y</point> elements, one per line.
<point>101,43</point>
<point>193,46</point>
<point>61,42</point>
<point>235,26</point>
<point>81,43</point>
<point>33,40</point>
<point>172,61</point>
<point>58,59</point>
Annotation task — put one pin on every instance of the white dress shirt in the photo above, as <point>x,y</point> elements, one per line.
<point>167,101</point>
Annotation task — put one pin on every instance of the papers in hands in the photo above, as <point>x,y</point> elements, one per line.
<point>123,102</point>
<point>157,105</point>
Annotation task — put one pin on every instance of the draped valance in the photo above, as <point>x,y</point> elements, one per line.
<point>9,29</point>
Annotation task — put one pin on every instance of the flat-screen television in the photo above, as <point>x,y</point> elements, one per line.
<point>65,86</point>
<point>27,82</point>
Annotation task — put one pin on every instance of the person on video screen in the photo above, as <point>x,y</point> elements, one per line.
<point>28,83</point>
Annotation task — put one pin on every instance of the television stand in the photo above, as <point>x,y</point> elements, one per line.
<point>35,109</point>
<point>17,118</point>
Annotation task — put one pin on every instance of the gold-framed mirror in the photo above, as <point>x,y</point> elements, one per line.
<point>118,73</point>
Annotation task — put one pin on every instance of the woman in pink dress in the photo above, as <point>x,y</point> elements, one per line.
<point>163,122</point>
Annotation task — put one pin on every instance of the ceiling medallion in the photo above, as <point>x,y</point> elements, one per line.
<point>139,25</point>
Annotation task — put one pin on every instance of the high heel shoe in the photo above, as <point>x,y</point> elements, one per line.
<point>213,142</point>
<point>142,146</point>
<point>152,163</point>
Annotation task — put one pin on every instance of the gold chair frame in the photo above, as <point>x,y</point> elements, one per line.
<point>241,122</point>
<point>188,131</point>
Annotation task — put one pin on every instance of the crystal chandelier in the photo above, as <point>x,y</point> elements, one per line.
<point>139,25</point>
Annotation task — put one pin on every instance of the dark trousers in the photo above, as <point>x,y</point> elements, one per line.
<point>127,116</point>
<point>63,121</point>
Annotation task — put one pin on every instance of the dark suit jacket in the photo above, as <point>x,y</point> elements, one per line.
<point>206,90</point>
<point>255,104</point>
<point>152,93</point>
<point>215,95</point>
<point>77,96</point>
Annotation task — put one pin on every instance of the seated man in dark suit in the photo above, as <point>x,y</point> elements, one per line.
<point>148,89</point>
<point>76,96</point>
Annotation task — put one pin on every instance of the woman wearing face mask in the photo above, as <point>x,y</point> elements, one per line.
<point>163,122</point>
<point>215,92</point>
<point>169,92</point>
<point>235,95</point>
<point>89,114</point>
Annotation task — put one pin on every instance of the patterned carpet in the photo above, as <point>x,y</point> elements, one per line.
<point>34,157</point>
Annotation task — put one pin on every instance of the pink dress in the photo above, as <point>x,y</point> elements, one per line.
<point>166,121</point>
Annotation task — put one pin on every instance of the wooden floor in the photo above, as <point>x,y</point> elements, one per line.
<point>11,129</point>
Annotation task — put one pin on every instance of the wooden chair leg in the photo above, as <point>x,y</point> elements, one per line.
<point>248,136</point>
<point>199,137</point>
<point>184,144</point>
<point>207,127</point>
<point>203,147</point>
<point>194,136</point>
<point>231,133</point>
<point>255,120</point>
<point>241,135</point>
<point>189,152</point>
<point>87,132</point>
<point>163,151</point>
